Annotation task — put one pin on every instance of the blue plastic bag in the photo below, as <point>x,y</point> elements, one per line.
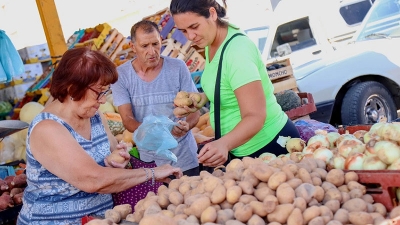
<point>154,134</point>
<point>10,59</point>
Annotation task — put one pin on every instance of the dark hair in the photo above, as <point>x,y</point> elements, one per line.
<point>78,69</point>
<point>146,25</point>
<point>200,7</point>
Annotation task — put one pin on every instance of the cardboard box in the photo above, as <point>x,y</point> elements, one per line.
<point>285,71</point>
<point>32,70</point>
<point>36,53</point>
<point>194,61</point>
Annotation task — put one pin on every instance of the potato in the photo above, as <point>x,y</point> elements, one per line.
<point>341,215</point>
<point>311,213</point>
<point>295,182</point>
<point>368,198</point>
<point>300,203</point>
<point>345,197</point>
<point>229,183</point>
<point>319,193</point>
<point>258,208</point>
<point>112,215</point>
<point>356,193</point>
<point>174,184</point>
<point>243,213</point>
<point>276,179</point>
<point>152,209</point>
<point>270,203</point>
<point>281,213</point>
<point>316,181</point>
<point>328,185</point>
<point>336,177</point>
<point>184,187</point>
<point>332,194</point>
<point>246,186</point>
<point>380,208</point>
<point>360,218</point>
<point>233,194</point>
<point>246,199</point>
<point>181,102</point>
<point>296,217</point>
<point>355,185</point>
<point>163,201</point>
<point>350,176</point>
<point>326,213</point>
<point>285,193</point>
<point>304,175</point>
<point>355,205</point>
<point>176,198</point>
<point>180,209</point>
<point>333,205</point>
<point>115,157</point>
<point>100,222</point>
<point>226,205</point>
<point>256,220</point>
<point>261,193</point>
<point>123,210</point>
<point>168,213</point>
<point>334,222</point>
<point>218,194</point>
<point>305,191</point>
<point>209,215</point>
<point>395,212</point>
<point>234,222</point>
<point>198,206</point>
<point>343,188</point>
<point>321,172</point>
<point>317,221</point>
<point>135,217</point>
<point>224,215</point>
<point>248,176</point>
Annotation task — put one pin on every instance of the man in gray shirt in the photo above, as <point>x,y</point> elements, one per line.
<point>147,85</point>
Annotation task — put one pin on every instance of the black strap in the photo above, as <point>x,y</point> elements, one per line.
<point>217,92</point>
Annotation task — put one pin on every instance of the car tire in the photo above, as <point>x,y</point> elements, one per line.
<point>366,103</point>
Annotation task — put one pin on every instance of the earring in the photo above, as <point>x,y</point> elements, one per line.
<point>72,98</point>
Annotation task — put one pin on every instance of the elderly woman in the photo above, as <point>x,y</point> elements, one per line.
<point>67,143</point>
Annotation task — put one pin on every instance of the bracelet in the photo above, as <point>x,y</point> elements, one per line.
<point>152,176</point>
<point>147,175</point>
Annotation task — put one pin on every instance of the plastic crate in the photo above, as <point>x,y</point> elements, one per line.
<point>6,171</point>
<point>304,109</point>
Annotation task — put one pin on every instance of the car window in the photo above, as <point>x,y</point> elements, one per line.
<point>259,36</point>
<point>297,34</point>
<point>355,13</point>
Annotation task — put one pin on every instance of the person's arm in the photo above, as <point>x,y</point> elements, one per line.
<point>252,106</point>
<point>128,120</point>
<point>54,147</point>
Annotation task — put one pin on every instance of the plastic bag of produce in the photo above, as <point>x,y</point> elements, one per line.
<point>9,57</point>
<point>154,134</point>
<point>308,127</point>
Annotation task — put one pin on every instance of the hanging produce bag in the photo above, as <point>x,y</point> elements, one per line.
<point>10,60</point>
<point>3,75</point>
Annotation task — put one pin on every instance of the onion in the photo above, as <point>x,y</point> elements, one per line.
<point>370,147</point>
<point>267,157</point>
<point>387,151</point>
<point>344,137</point>
<point>338,162</point>
<point>295,145</point>
<point>350,145</point>
<point>390,132</point>
<point>332,137</point>
<point>323,153</point>
<point>395,165</point>
<point>359,134</point>
<point>373,162</point>
<point>318,140</point>
<point>282,141</point>
<point>296,156</point>
<point>354,162</point>
<point>369,136</point>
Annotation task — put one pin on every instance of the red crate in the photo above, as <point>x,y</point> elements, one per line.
<point>381,185</point>
<point>353,128</point>
<point>304,109</point>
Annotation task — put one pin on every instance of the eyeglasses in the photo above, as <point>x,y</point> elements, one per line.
<point>100,94</point>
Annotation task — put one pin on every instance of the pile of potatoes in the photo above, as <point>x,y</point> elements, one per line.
<point>252,192</point>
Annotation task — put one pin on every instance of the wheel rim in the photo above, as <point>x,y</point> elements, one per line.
<point>376,109</point>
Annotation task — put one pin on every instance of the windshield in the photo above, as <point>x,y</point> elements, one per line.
<point>383,21</point>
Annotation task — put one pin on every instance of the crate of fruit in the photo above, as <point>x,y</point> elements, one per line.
<point>279,69</point>
<point>305,109</point>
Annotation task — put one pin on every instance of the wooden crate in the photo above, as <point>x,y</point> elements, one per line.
<point>282,72</point>
<point>285,83</point>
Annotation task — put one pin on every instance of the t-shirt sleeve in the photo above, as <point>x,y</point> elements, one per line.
<point>241,62</point>
<point>119,90</point>
<point>187,83</point>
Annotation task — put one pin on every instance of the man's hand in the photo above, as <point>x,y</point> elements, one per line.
<point>181,129</point>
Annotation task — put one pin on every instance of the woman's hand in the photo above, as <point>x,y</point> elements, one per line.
<point>184,111</point>
<point>162,173</point>
<point>181,129</point>
<point>123,152</point>
<point>213,154</point>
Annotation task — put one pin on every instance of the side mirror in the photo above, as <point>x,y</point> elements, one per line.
<point>284,49</point>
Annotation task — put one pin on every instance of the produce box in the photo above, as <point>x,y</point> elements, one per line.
<point>35,53</point>
<point>279,69</point>
<point>304,109</point>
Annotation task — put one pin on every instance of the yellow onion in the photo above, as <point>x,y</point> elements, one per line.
<point>338,162</point>
<point>369,136</point>
<point>332,137</point>
<point>344,137</point>
<point>318,140</point>
<point>323,153</point>
<point>375,127</point>
<point>390,132</point>
<point>373,162</point>
<point>359,134</point>
<point>295,145</point>
<point>395,165</point>
<point>387,151</point>
<point>267,157</point>
<point>354,162</point>
<point>296,156</point>
<point>370,147</point>
<point>350,145</point>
